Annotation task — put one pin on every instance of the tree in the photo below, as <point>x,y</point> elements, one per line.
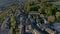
<point>58,16</point>
<point>27,7</point>
<point>48,11</point>
<point>33,8</point>
<point>42,8</point>
<point>53,9</point>
<point>43,0</point>
<point>13,8</point>
<point>12,23</point>
<point>51,19</point>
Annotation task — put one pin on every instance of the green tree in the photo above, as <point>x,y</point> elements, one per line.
<point>48,11</point>
<point>33,8</point>
<point>27,7</point>
<point>12,23</point>
<point>13,8</point>
<point>58,16</point>
<point>53,9</point>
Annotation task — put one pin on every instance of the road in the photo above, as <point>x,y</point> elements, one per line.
<point>5,2</point>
